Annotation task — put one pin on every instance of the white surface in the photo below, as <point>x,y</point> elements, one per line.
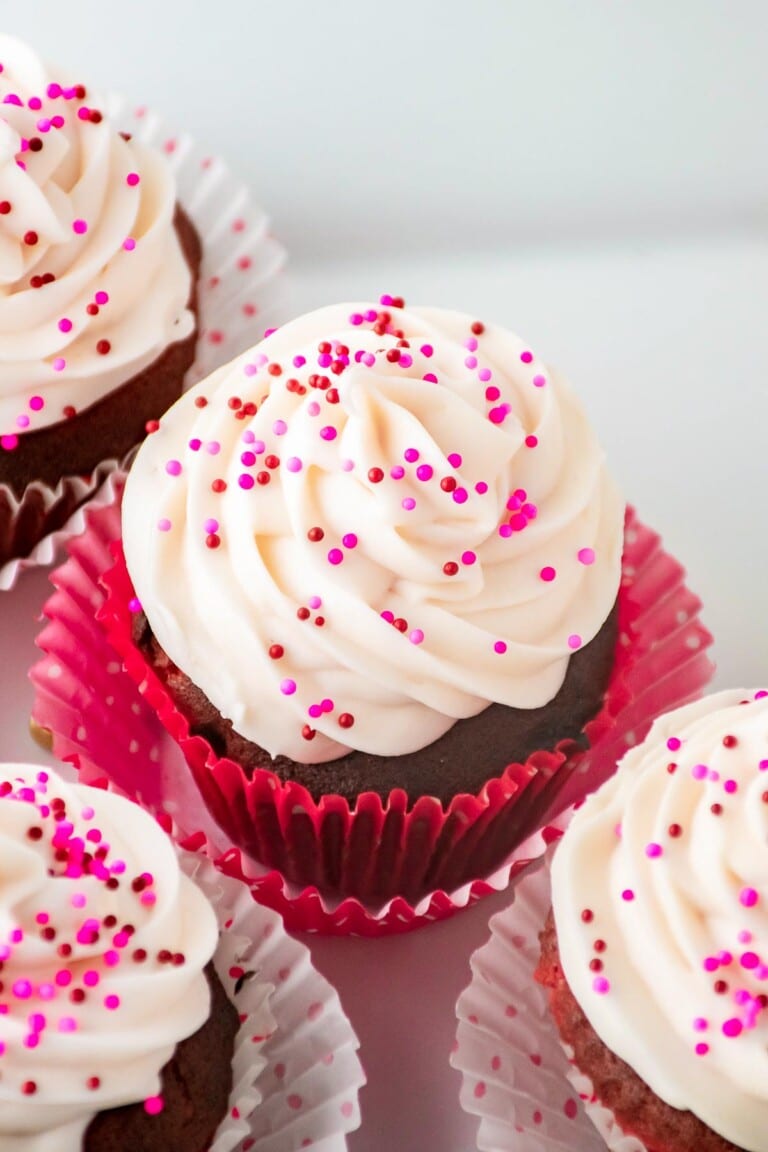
<point>668,346</point>
<point>417,124</point>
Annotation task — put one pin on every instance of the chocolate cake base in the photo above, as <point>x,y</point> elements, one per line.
<point>462,760</point>
<point>638,1110</point>
<point>107,430</point>
<point>195,1088</point>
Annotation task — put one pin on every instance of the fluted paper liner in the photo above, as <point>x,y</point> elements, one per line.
<point>516,1075</point>
<point>400,868</point>
<point>296,1073</point>
<point>237,300</point>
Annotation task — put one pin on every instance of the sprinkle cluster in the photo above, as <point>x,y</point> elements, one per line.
<point>80,946</point>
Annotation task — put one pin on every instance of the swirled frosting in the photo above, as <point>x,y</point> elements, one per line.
<point>377,521</point>
<point>93,282</point>
<point>103,943</point>
<point>666,867</point>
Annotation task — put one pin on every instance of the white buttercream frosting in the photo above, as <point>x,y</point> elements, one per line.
<point>372,524</point>
<point>94,285</point>
<point>670,857</point>
<point>91,898</point>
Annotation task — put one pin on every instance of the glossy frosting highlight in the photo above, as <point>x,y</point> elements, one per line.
<point>93,282</point>
<point>103,943</point>
<point>377,521</point>
<point>667,866</point>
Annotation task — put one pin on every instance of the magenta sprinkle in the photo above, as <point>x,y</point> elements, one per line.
<point>350,540</point>
<point>424,472</point>
<point>701,1048</point>
<point>454,459</point>
<point>314,711</point>
<point>732,1028</point>
<point>427,350</point>
<point>653,850</point>
<point>547,574</point>
<point>586,556</point>
<point>500,647</point>
<point>408,503</point>
<point>459,495</point>
<point>430,376</point>
<point>246,481</point>
<point>173,467</point>
<point>397,472</point>
<point>468,557</point>
<point>328,432</point>
<point>539,381</point>
<point>481,487</point>
<point>700,1024</point>
<point>335,556</point>
<point>288,687</point>
<point>164,524</point>
<point>628,894</point>
<point>526,357</point>
<point>65,325</point>
<point>673,743</point>
<point>574,641</point>
<point>748,897</point>
<point>730,786</point>
<point>601,985</point>
<point>80,227</point>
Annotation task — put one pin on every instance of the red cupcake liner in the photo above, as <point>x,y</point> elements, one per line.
<point>428,861</point>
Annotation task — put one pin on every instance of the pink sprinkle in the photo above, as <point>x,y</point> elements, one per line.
<point>313,408</point>
<point>468,558</point>
<point>173,467</point>
<point>293,464</point>
<point>548,574</point>
<point>574,641</point>
<point>539,381</point>
<point>80,227</point>
<point>153,1105</point>
<point>211,525</point>
<point>315,602</point>
<point>287,687</point>
<point>586,556</point>
<point>427,350</point>
<point>397,472</point>
<point>416,636</point>
<point>673,743</point>
<point>132,179</point>
<point>59,364</point>
<point>748,897</point>
<point>408,503</point>
<point>424,472</point>
<point>22,989</point>
<point>601,985</point>
<point>500,647</point>
<point>164,524</point>
<point>347,465</point>
<point>22,421</point>
<point>484,375</point>
<point>78,900</point>
<point>700,1024</point>
<point>335,556</point>
<point>67,1024</point>
<point>405,360</point>
<point>653,850</point>
<point>470,362</point>
<point>279,427</point>
<point>213,447</point>
<point>65,325</point>
<point>470,344</point>
<point>454,459</point>
<point>129,243</point>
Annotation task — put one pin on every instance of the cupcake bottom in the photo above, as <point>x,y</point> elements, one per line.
<point>39,479</point>
<point>462,760</point>
<point>613,1085</point>
<point>196,1084</point>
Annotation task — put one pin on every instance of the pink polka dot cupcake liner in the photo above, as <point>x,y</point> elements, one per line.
<point>109,715</point>
<point>296,1072</point>
<point>239,295</point>
<point>516,1076</point>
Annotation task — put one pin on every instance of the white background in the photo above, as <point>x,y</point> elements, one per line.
<point>593,174</point>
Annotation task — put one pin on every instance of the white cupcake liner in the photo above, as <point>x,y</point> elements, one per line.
<point>308,1073</point>
<point>237,294</point>
<point>515,1073</point>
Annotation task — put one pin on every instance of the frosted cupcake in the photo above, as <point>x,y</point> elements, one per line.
<point>116,1031</point>
<point>98,267</point>
<point>377,561</point>
<point>656,956</point>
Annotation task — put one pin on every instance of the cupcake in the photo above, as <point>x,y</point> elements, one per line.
<point>655,957</point>
<point>374,565</point>
<point>99,266</point>
<point>115,1029</point>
